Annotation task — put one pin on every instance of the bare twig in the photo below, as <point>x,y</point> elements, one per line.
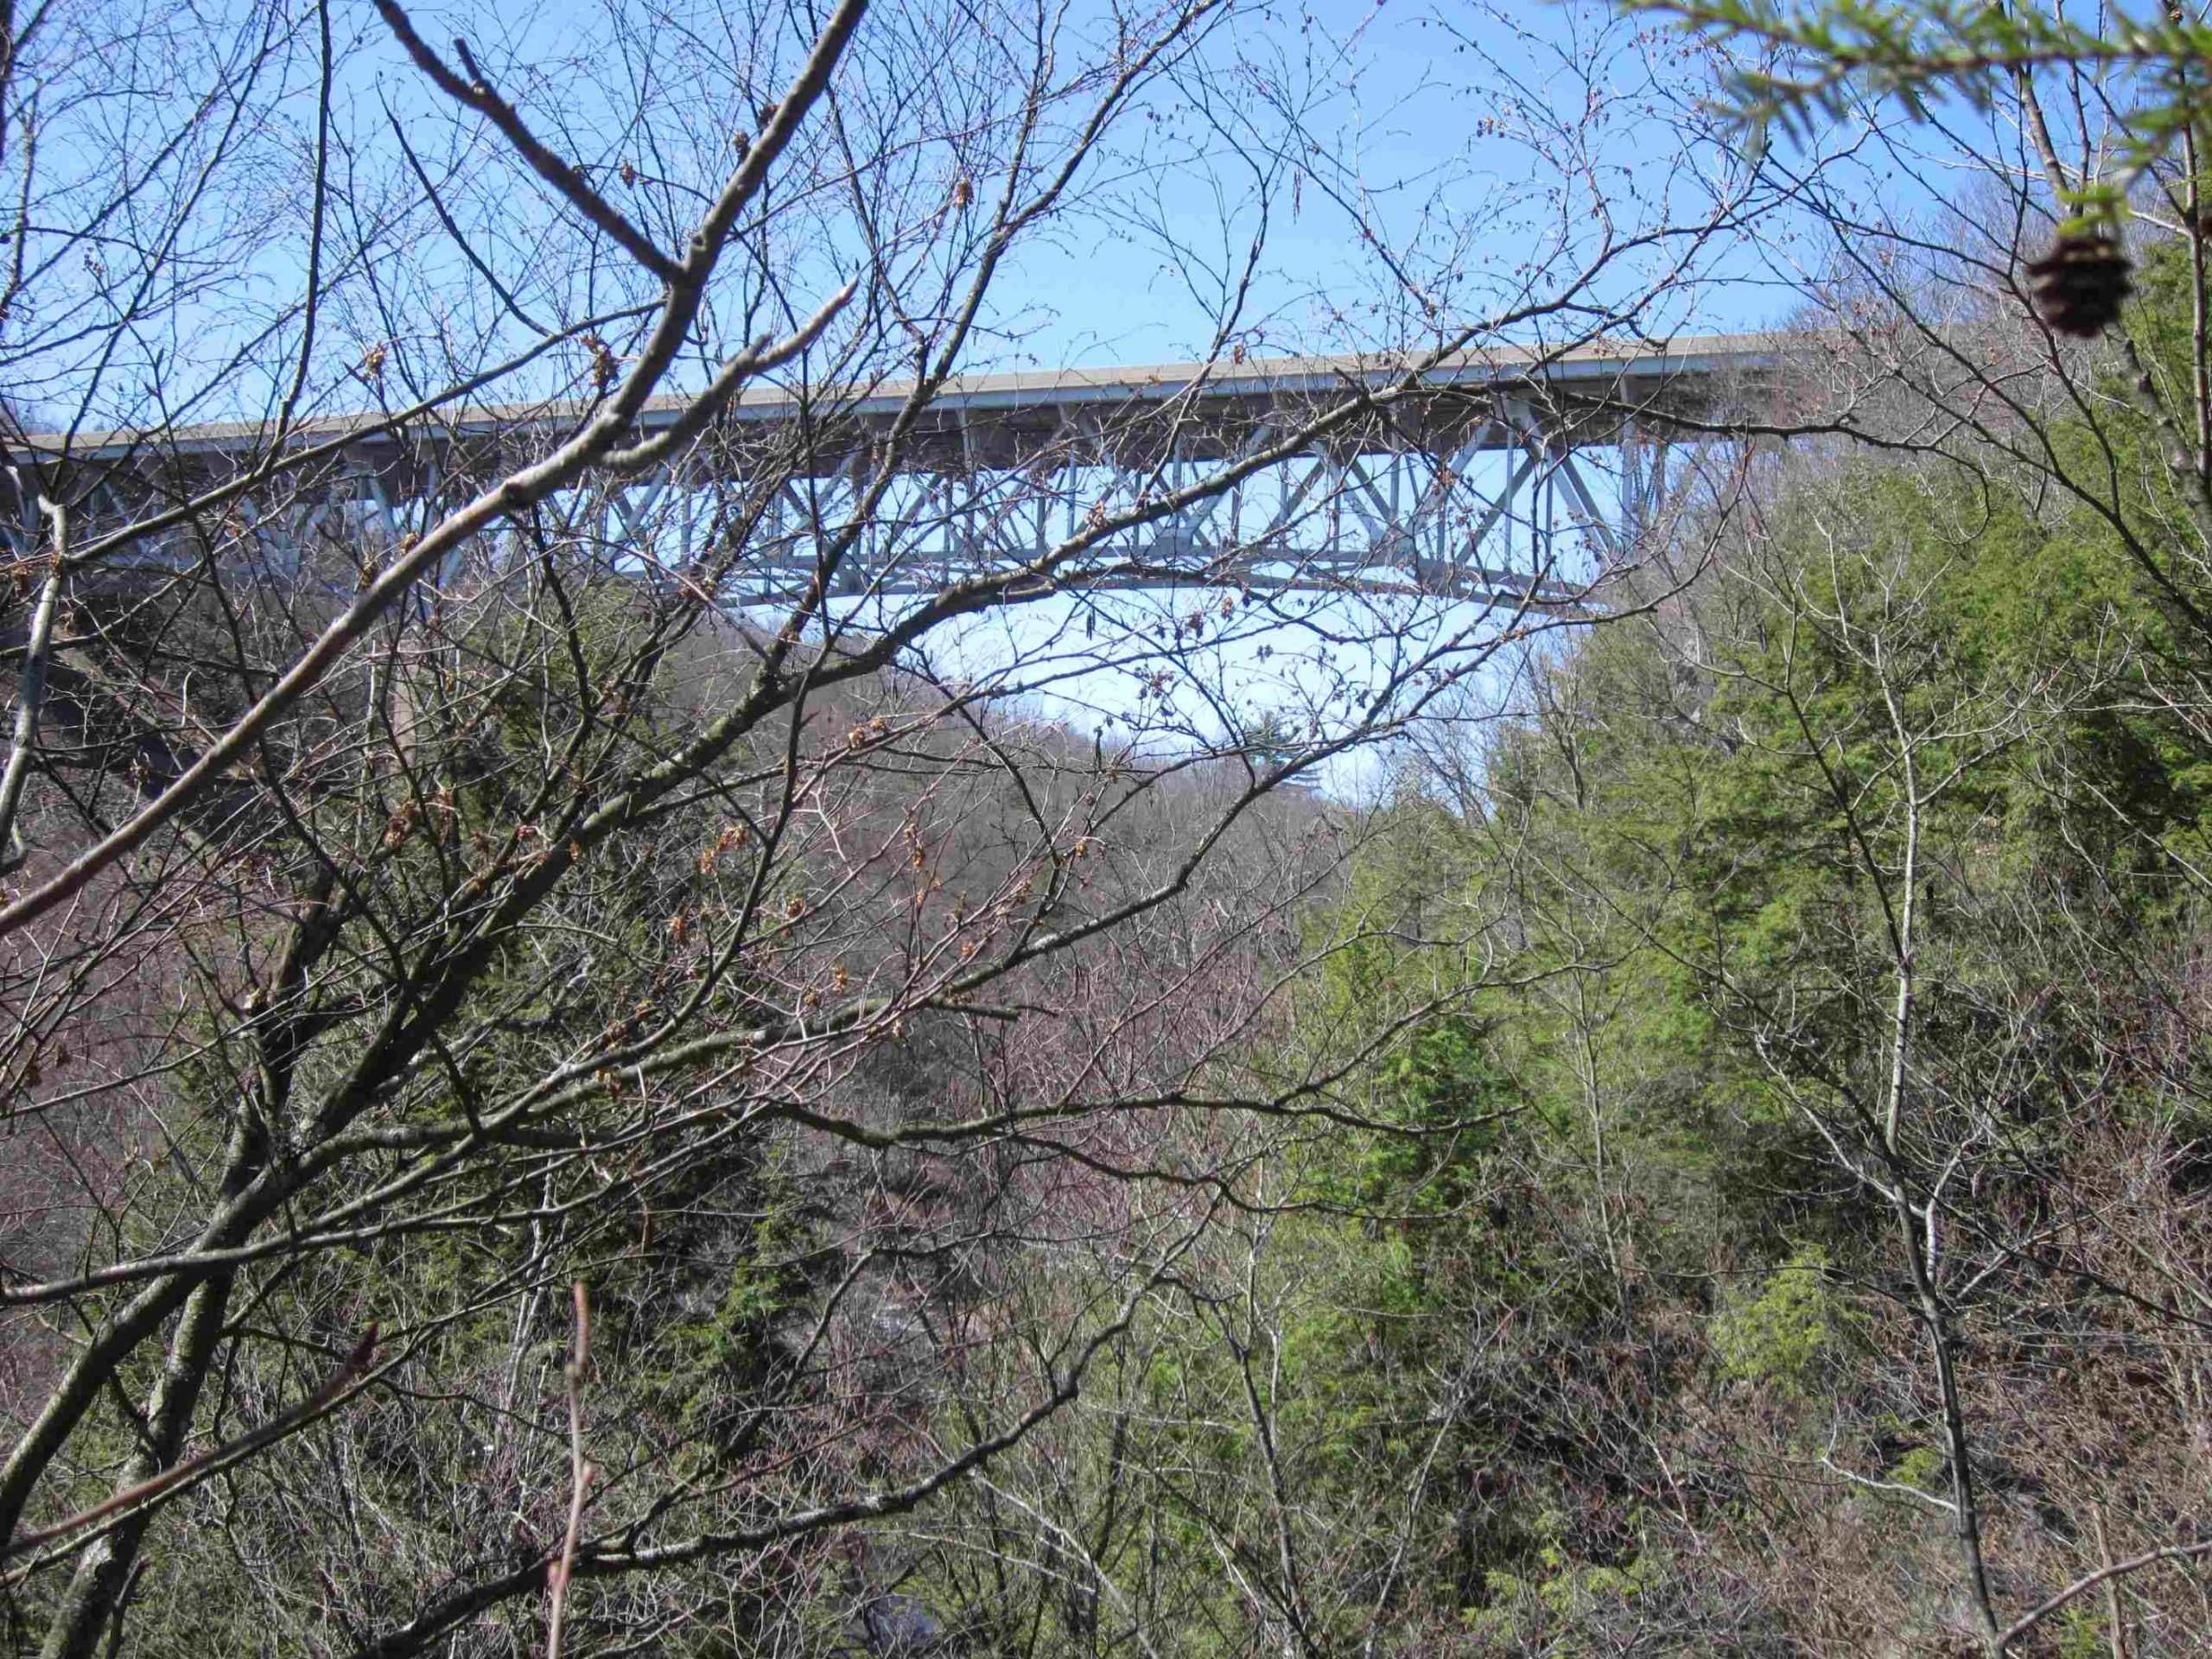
<point>2115,1631</point>
<point>32,695</point>
<point>581,1471</point>
<point>2081,1586</point>
<point>275,1429</point>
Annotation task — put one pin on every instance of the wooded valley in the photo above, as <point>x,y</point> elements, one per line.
<point>563,1097</point>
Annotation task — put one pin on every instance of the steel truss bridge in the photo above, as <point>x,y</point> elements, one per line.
<point>1515,473</point>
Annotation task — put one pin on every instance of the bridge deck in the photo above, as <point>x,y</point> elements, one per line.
<point>997,467</point>
<point>1604,376</point>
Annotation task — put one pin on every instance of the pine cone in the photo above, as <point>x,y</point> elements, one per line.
<point>2078,286</point>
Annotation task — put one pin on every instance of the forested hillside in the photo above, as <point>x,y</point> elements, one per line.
<point>1821,1153</point>
<point>1781,1190</point>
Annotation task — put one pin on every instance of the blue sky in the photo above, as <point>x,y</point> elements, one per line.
<point>1437,147</point>
<point>1415,123</point>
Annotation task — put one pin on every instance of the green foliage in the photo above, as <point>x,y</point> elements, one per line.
<point>1439,1103</point>
<point>1270,740</point>
<point>1778,1331</point>
<point>1619,1016</point>
<point>1924,1468</point>
<point>1556,1603</point>
<point>1840,52</point>
<point>2082,1633</point>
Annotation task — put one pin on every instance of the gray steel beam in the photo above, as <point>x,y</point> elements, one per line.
<point>994,447</point>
